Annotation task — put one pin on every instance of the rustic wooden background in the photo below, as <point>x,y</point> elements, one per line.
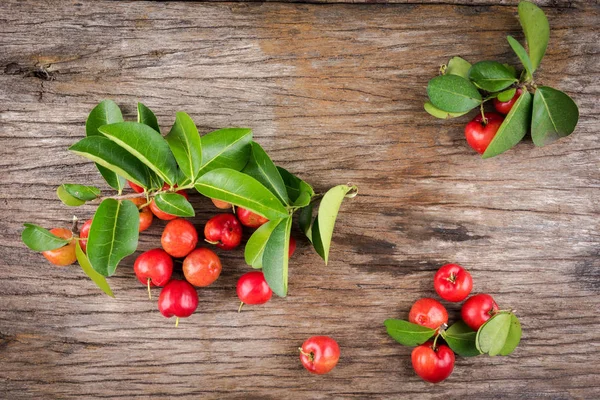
<point>334,92</point>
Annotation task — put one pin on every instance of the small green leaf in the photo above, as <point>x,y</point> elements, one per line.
<point>39,239</point>
<point>241,190</point>
<point>458,66</point>
<point>453,93</point>
<point>174,204</point>
<point>82,192</point>
<point>85,265</point>
<point>113,235</point>
<point>276,256</point>
<point>147,145</point>
<point>514,127</point>
<point>514,336</point>
<point>461,339</point>
<point>146,116</point>
<point>67,199</point>
<point>225,148</point>
<point>261,168</point>
<point>305,220</point>
<point>295,186</point>
<point>491,76</point>
<point>184,141</point>
<point>305,197</point>
<point>537,31</point>
<point>491,336</point>
<point>555,115</point>
<point>506,95</point>
<point>255,247</point>
<point>406,333</point>
<point>522,54</point>
<point>436,112</point>
<point>113,157</point>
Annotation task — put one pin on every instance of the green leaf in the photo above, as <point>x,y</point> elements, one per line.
<point>491,76</point>
<point>491,336</point>
<point>174,204</point>
<point>276,256</point>
<point>537,31</point>
<point>458,66</point>
<point>305,220</point>
<point>106,112</point>
<point>453,93</point>
<point>522,54</point>
<point>461,339</point>
<point>555,115</point>
<point>113,235</point>
<point>82,192</point>
<point>305,197</point>
<point>255,247</point>
<point>241,190</point>
<point>436,112</point>
<point>506,95</point>
<point>67,199</point>
<point>146,116</point>
<point>85,265</point>
<point>39,239</point>
<point>147,145</point>
<point>226,148</point>
<point>184,141</point>
<point>261,168</point>
<point>514,127</point>
<point>406,333</point>
<point>113,157</point>
<point>295,186</point>
<point>514,336</point>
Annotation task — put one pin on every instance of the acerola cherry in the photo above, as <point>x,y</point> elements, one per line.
<point>504,107</point>
<point>224,231</point>
<point>179,238</point>
<point>478,309</point>
<point>319,354</point>
<point>202,267</point>
<point>84,232</point>
<point>428,312</point>
<point>179,299</point>
<point>480,134</point>
<point>432,365</point>
<point>63,255</point>
<point>223,205</point>
<point>250,219</point>
<point>146,215</point>
<point>163,215</point>
<point>252,288</point>
<point>292,247</point>
<point>136,188</point>
<point>452,282</point>
<point>153,268</point>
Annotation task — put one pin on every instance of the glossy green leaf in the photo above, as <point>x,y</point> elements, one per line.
<point>492,335</point>
<point>113,157</point>
<point>513,70</point>
<point>184,141</point>
<point>537,31</point>
<point>147,145</point>
<point>113,235</point>
<point>294,187</point>
<point>85,265</point>
<point>39,239</point>
<point>514,127</point>
<point>174,204</point>
<point>67,199</point>
<point>276,256</point>
<point>304,199</point>
<point>106,112</point>
<point>255,247</point>
<point>522,54</point>
<point>514,336</point>
<point>491,76</point>
<point>305,220</point>
<point>555,115</point>
<point>458,66</point>
<point>461,339</point>
<point>261,168</point>
<point>241,190</point>
<point>315,238</point>
<point>453,93</point>
<point>226,148</point>
<point>146,116</point>
<point>82,192</point>
<point>406,333</point>
<point>436,112</point>
<point>506,95</point>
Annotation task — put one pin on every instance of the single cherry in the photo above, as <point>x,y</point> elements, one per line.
<point>428,312</point>
<point>146,215</point>
<point>179,299</point>
<point>250,219</point>
<point>252,288</point>
<point>84,232</point>
<point>223,205</point>
<point>319,354</point>
<point>478,309</point>
<point>224,231</point>
<point>202,267</point>
<point>432,364</point>
<point>63,255</point>
<point>452,282</point>
<point>163,215</point>
<point>292,247</point>
<point>153,268</point>
<point>179,238</point>
<point>504,107</point>
<point>479,133</point>
<point>136,188</point>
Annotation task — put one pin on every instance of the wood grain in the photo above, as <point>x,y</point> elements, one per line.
<point>335,94</point>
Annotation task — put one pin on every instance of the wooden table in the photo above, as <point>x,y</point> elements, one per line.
<point>334,92</point>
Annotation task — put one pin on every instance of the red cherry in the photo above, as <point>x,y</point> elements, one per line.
<point>179,299</point>
<point>478,309</point>
<point>428,312</point>
<point>252,288</point>
<point>223,230</point>
<point>452,282</point>
<point>504,107</point>
<point>479,135</point>
<point>432,365</point>
<point>63,255</point>
<point>250,219</point>
<point>153,268</point>
<point>84,232</point>
<point>163,215</point>
<point>319,354</point>
<point>292,247</point>
<point>223,205</point>
<point>146,216</point>
<point>202,267</point>
<point>136,188</point>
<point>179,238</point>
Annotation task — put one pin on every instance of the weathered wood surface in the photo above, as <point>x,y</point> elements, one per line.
<point>334,93</point>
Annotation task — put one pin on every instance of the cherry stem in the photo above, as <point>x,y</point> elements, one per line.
<point>311,355</point>
<point>435,341</point>
<point>241,305</point>
<point>149,293</point>
<point>74,228</point>
<point>211,242</point>
<point>483,118</point>
<point>176,322</point>
<point>451,278</point>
